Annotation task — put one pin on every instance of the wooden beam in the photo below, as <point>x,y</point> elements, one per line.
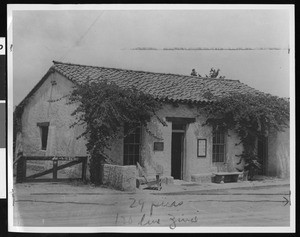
<point>180,120</point>
<point>21,169</point>
<point>62,158</point>
<point>50,180</point>
<point>84,162</point>
<point>55,169</point>
<point>43,124</point>
<point>51,170</point>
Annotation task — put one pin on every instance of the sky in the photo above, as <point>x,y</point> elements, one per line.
<point>105,37</point>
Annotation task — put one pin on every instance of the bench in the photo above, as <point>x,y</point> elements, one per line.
<point>226,177</point>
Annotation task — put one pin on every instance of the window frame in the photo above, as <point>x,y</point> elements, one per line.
<point>44,134</point>
<point>132,154</point>
<point>216,158</point>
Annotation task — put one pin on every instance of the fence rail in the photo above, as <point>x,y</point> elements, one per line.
<point>22,168</point>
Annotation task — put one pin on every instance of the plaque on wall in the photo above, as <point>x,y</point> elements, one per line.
<point>201,148</point>
<point>158,146</point>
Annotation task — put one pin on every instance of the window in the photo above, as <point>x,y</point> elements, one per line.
<point>132,143</point>
<point>44,128</point>
<point>218,145</point>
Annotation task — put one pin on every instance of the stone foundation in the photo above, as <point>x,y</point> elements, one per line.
<point>119,177</point>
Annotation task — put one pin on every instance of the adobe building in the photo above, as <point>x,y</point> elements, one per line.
<point>184,149</point>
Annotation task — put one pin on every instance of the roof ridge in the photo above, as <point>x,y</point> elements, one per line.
<point>161,73</point>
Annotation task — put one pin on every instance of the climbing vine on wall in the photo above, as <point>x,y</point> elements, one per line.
<point>250,116</point>
<point>103,109</point>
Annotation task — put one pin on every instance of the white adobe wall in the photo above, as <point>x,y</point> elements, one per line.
<point>278,163</point>
<point>61,138</point>
<point>193,165</point>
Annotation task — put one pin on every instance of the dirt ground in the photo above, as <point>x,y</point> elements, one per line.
<point>182,204</point>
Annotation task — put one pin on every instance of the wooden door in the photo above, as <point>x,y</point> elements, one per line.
<point>176,155</point>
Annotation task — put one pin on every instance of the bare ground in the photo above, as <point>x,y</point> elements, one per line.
<point>181,204</point>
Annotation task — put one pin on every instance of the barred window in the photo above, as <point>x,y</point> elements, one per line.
<point>218,146</point>
<point>132,143</point>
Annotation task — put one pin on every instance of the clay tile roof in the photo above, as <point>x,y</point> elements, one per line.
<point>165,87</point>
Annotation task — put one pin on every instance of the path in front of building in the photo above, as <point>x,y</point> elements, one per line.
<point>181,204</point>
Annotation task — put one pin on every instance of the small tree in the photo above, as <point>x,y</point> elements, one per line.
<point>213,73</point>
<point>194,73</point>
<point>250,116</point>
<point>104,108</point>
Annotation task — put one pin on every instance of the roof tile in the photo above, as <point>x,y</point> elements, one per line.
<point>162,86</point>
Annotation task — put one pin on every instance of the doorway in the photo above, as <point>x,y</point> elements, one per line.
<point>177,148</point>
<point>262,153</point>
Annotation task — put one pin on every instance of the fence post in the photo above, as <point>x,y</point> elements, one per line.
<point>84,161</point>
<point>21,169</point>
<point>55,161</point>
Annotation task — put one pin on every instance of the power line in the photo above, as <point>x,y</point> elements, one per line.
<point>81,37</point>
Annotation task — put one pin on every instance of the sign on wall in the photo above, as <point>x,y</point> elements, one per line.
<point>158,146</point>
<point>201,148</point>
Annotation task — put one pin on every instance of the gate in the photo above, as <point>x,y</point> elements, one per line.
<point>22,168</point>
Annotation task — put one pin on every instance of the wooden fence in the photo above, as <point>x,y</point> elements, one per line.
<point>22,168</point>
